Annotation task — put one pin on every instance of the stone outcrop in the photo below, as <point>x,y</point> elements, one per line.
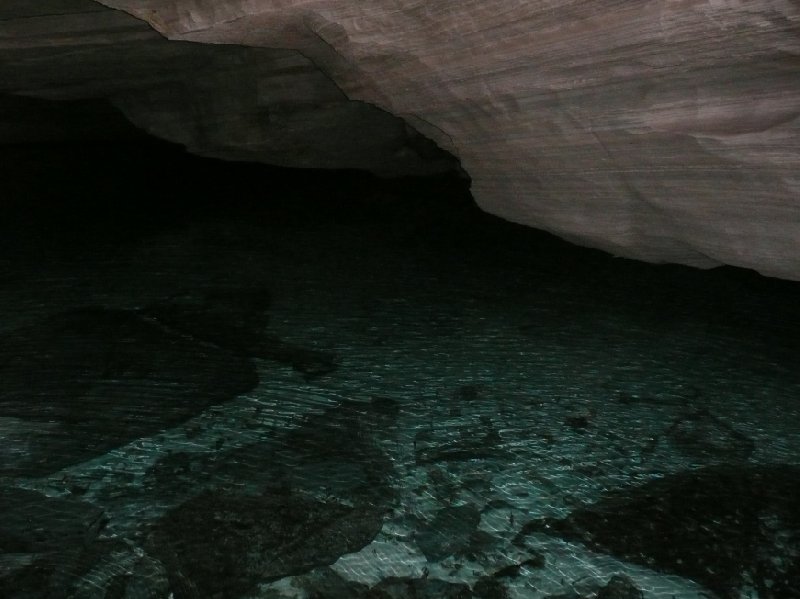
<point>230,102</point>
<point>664,130</point>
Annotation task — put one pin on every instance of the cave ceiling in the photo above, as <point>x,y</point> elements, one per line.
<point>661,130</point>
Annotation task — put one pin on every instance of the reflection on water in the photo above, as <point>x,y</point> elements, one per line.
<point>262,385</point>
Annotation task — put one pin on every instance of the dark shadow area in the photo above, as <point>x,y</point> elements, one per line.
<point>216,377</point>
<point>68,199</point>
<point>28,121</point>
<point>94,185</point>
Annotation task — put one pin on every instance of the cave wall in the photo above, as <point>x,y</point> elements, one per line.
<point>225,101</point>
<point>664,130</point>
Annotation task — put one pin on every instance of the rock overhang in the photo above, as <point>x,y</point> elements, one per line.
<point>663,131</point>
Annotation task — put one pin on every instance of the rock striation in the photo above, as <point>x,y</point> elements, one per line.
<point>663,130</point>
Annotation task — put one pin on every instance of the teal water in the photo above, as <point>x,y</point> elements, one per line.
<point>230,382</point>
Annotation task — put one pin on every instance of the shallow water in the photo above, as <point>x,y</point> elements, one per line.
<point>264,384</point>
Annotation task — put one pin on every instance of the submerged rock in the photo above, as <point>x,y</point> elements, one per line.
<point>222,544</point>
<point>449,532</point>
<point>269,510</point>
<point>620,587</point>
<point>489,588</point>
<point>703,436</point>
<point>324,583</point>
<point>725,527</point>
<point>236,319</point>
<point>45,542</point>
<point>418,588</point>
<point>311,458</point>
<point>513,570</point>
<point>82,382</point>
<point>479,441</point>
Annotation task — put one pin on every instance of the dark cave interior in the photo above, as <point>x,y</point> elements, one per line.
<point>226,379</point>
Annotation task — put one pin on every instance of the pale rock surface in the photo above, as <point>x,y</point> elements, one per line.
<point>665,130</point>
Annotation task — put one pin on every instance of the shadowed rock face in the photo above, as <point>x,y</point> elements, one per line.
<point>235,319</point>
<point>727,527</point>
<point>80,383</point>
<point>226,101</point>
<point>45,542</point>
<point>302,503</point>
<point>449,532</point>
<point>222,544</point>
<point>658,130</point>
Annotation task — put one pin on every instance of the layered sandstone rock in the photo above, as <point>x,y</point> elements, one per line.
<point>232,102</point>
<point>665,130</point>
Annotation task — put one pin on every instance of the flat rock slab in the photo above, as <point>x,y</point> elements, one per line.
<point>83,382</point>
<point>334,455</point>
<point>702,436</point>
<point>236,319</point>
<point>725,527</point>
<point>269,510</point>
<point>418,588</point>
<point>323,583</point>
<point>449,532</point>
<point>44,542</point>
<point>222,544</point>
